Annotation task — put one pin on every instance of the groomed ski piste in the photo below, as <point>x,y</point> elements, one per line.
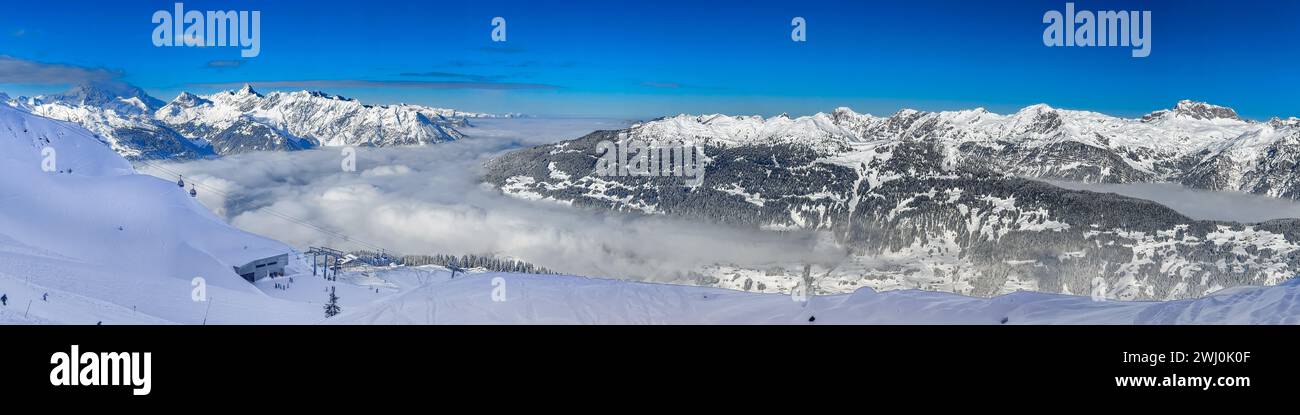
<point>84,239</point>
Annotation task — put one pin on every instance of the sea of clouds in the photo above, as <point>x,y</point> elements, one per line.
<point>1199,204</point>
<point>430,200</point>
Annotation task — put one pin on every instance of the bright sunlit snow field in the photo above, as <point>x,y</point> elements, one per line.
<point>111,246</point>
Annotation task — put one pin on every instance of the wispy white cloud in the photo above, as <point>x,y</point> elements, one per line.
<point>27,72</point>
<point>362,83</point>
<point>225,63</point>
<point>454,75</point>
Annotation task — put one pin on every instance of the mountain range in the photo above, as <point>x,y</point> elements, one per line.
<point>1195,143</point>
<point>949,201</point>
<point>952,201</point>
<point>140,127</point>
<point>142,254</point>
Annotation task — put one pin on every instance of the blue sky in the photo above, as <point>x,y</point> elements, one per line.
<point>639,59</point>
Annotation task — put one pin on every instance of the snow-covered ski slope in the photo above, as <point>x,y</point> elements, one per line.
<point>121,244</point>
<point>549,299</point>
<point>111,246</point>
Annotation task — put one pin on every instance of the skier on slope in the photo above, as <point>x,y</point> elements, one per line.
<point>4,299</point>
<point>45,297</point>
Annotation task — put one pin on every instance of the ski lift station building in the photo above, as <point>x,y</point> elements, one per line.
<point>268,267</point>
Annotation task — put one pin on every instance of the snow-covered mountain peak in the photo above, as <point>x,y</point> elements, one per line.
<point>247,89</point>
<point>188,100</point>
<point>820,130</point>
<point>848,115</point>
<point>139,126</point>
<point>322,95</point>
<point>907,113</point>
<point>1198,111</point>
<point>1036,109</point>
<point>1204,111</point>
<point>301,119</point>
<point>853,121</point>
<point>106,94</point>
<point>971,116</point>
<point>121,114</point>
<point>1289,122</point>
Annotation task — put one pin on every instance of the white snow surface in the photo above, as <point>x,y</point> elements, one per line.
<point>548,299</point>
<point>106,235</point>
